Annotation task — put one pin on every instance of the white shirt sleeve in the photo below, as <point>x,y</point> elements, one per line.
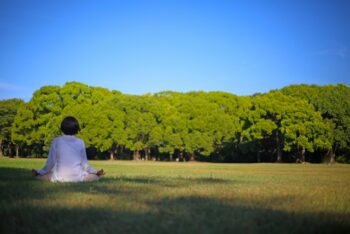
<point>51,160</point>
<point>85,164</point>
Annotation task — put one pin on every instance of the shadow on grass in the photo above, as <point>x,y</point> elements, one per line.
<point>168,182</point>
<point>181,214</point>
<point>16,183</point>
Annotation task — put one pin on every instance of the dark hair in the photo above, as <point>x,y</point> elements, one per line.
<point>70,126</point>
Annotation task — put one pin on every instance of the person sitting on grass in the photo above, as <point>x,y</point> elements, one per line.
<point>67,161</point>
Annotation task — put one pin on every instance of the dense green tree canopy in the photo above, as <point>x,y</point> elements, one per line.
<point>297,123</point>
<point>333,102</point>
<point>8,110</point>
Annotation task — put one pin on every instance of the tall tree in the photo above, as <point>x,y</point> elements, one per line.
<point>333,102</point>
<point>30,126</point>
<point>139,123</point>
<point>38,121</point>
<point>104,127</point>
<point>289,122</point>
<point>172,124</point>
<point>8,110</point>
<point>236,109</point>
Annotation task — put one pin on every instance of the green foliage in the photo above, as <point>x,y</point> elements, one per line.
<point>8,110</point>
<point>291,123</point>
<point>297,123</point>
<point>104,127</point>
<point>333,102</point>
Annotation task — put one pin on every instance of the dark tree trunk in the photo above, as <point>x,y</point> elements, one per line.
<point>279,148</point>
<point>27,151</point>
<point>112,152</point>
<point>1,152</point>
<point>121,151</point>
<point>332,155</point>
<point>136,155</point>
<point>170,157</point>
<point>17,150</point>
<point>192,158</point>
<point>10,150</point>
<point>147,154</point>
<point>111,155</point>
<point>302,155</point>
<point>258,157</point>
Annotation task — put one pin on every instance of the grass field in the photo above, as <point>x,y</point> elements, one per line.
<point>155,197</point>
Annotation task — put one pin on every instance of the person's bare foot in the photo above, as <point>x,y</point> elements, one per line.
<point>100,172</point>
<point>34,172</point>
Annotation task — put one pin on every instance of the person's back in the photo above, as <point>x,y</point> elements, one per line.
<point>67,161</point>
<point>70,162</point>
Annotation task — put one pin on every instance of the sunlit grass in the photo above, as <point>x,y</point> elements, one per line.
<point>161,197</point>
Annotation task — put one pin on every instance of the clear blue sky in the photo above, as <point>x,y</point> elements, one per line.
<point>137,47</point>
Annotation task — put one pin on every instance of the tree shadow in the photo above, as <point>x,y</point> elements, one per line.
<point>168,182</point>
<point>211,215</point>
<point>14,181</point>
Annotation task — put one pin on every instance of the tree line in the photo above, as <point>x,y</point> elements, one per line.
<point>298,123</point>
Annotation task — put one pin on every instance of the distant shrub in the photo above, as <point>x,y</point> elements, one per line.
<point>343,159</point>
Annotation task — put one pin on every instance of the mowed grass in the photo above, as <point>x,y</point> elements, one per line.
<point>161,197</point>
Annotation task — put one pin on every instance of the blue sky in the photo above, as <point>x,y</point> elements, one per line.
<point>139,47</point>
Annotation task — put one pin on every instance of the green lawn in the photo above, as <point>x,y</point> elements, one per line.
<point>160,197</point>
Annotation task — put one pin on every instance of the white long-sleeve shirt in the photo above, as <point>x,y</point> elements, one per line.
<point>67,160</point>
